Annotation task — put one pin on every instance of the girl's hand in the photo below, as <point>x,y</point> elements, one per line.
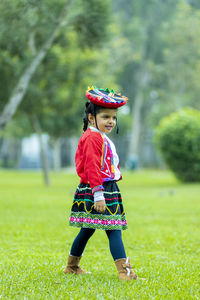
<point>100,206</point>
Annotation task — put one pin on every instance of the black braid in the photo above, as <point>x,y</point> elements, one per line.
<point>90,108</point>
<point>117,127</point>
<point>85,118</point>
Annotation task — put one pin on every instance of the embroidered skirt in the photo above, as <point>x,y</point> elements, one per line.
<point>84,215</point>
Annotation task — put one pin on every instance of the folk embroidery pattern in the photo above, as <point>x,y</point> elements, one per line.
<point>83,213</point>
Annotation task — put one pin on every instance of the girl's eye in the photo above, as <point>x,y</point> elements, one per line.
<point>107,117</point>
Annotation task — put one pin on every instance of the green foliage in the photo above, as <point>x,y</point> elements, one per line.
<point>175,76</point>
<point>17,128</point>
<point>23,25</point>
<point>58,84</point>
<point>181,56</point>
<point>178,138</point>
<point>162,240</point>
<point>157,41</point>
<point>91,22</point>
<point>57,92</point>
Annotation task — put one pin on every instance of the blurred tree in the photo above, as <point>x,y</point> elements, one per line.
<point>32,19</point>
<point>194,3</point>
<point>11,141</point>
<point>55,95</point>
<point>178,139</point>
<point>142,26</point>
<point>33,24</point>
<point>175,78</point>
<point>38,24</point>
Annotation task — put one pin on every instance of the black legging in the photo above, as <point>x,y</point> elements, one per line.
<point>115,241</point>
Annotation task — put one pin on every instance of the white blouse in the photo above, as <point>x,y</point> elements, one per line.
<point>115,155</point>
<point>115,159</point>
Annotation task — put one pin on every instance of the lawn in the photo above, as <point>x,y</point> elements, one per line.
<point>163,239</point>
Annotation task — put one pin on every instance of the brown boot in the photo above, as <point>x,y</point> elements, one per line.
<point>73,265</point>
<point>125,269</point>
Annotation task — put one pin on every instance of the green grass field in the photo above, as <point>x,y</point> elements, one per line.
<point>163,239</point>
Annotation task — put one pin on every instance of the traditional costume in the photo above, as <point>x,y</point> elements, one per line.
<point>97,165</point>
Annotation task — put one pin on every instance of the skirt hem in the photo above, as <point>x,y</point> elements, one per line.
<point>97,221</point>
<point>97,226</point>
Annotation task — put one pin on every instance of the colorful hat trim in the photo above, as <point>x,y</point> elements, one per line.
<point>105,98</point>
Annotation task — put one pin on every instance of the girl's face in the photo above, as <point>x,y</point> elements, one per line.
<point>106,119</point>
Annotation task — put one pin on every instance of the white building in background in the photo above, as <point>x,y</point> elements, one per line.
<point>30,156</point>
<point>30,146</point>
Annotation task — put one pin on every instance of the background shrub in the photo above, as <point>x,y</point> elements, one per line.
<point>178,139</point>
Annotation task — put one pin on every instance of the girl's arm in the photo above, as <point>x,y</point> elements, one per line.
<point>93,154</point>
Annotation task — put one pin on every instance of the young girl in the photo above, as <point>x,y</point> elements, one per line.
<point>97,203</point>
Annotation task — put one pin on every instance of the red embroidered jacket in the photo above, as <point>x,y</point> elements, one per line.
<point>94,160</point>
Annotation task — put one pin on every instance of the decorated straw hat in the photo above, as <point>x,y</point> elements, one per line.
<point>105,97</point>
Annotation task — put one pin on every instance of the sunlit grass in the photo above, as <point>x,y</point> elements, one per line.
<point>163,239</point>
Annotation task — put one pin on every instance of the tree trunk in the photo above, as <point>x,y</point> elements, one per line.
<point>19,152</point>
<point>43,153</point>
<point>143,79</point>
<point>4,154</point>
<point>136,125</point>
<point>57,154</point>
<point>22,85</point>
<point>73,148</point>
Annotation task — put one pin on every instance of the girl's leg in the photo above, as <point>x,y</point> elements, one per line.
<point>116,244</point>
<point>78,246</point>
<point>80,241</point>
<point>119,255</point>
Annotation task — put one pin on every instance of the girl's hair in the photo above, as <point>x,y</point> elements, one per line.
<point>91,108</point>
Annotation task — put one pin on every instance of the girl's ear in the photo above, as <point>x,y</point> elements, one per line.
<point>91,118</point>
